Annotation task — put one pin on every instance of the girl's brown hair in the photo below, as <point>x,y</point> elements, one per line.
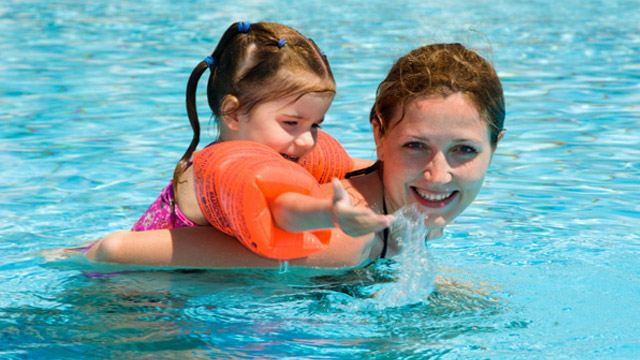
<point>256,63</point>
<point>441,69</point>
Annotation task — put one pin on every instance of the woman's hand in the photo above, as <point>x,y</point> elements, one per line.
<point>355,221</point>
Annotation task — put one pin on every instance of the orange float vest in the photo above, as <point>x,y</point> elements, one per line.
<point>236,180</point>
<point>327,160</point>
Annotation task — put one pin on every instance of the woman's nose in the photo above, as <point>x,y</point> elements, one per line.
<point>438,169</point>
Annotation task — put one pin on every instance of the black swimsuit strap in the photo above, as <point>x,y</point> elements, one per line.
<point>376,166</point>
<point>364,171</point>
<point>385,233</point>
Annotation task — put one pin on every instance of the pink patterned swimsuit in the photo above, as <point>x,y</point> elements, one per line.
<point>164,213</point>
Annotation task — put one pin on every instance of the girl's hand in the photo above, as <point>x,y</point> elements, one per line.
<point>355,221</point>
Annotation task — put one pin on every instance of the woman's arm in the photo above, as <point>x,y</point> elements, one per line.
<point>201,246</point>
<point>206,247</point>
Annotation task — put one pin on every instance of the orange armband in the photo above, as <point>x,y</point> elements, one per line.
<point>327,160</point>
<point>236,180</point>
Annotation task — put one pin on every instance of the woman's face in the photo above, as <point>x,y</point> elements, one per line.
<point>435,157</point>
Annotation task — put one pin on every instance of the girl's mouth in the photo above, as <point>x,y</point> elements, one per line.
<point>434,200</point>
<point>292,158</point>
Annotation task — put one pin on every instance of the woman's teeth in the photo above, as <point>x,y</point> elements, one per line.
<point>433,197</point>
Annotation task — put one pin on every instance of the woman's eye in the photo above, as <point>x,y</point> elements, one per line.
<point>466,150</point>
<point>415,145</point>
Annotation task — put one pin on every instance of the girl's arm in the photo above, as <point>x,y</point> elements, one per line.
<point>297,212</point>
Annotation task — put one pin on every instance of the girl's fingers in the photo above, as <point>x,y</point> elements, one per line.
<point>389,219</point>
<point>355,221</point>
<point>339,193</point>
<point>367,222</point>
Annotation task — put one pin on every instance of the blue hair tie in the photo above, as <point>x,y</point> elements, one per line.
<point>210,61</point>
<point>243,27</point>
<point>282,42</point>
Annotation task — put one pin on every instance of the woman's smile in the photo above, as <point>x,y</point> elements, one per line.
<point>435,200</point>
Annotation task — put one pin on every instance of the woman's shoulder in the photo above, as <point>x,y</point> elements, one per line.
<point>366,190</point>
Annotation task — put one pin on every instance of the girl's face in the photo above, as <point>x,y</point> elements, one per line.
<point>289,125</point>
<point>435,157</point>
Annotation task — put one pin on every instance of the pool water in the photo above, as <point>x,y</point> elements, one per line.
<point>543,265</point>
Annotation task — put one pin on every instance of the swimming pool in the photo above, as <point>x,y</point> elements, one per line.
<point>543,265</point>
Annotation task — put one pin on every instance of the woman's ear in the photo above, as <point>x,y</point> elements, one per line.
<point>377,138</point>
<point>500,136</point>
<point>230,107</point>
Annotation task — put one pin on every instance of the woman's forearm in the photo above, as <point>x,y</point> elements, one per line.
<point>200,247</point>
<point>206,247</point>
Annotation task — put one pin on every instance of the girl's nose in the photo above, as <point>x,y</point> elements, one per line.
<point>306,140</point>
<point>438,169</point>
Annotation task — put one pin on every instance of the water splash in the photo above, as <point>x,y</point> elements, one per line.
<point>284,267</point>
<point>414,272</point>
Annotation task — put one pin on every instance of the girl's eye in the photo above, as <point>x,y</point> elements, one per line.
<point>290,122</point>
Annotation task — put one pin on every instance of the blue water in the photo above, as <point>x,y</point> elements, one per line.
<point>543,265</point>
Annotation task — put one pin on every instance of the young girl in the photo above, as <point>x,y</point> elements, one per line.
<point>268,84</point>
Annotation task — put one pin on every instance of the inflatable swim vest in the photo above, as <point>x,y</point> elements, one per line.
<point>327,160</point>
<point>236,180</point>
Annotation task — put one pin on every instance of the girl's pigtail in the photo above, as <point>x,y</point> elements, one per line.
<point>192,86</point>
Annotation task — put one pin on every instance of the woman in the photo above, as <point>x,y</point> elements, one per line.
<point>437,119</point>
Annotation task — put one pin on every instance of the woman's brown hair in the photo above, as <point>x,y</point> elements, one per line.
<point>441,69</point>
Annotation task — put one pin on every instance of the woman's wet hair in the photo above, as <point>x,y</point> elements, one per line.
<point>255,63</point>
<point>441,69</point>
